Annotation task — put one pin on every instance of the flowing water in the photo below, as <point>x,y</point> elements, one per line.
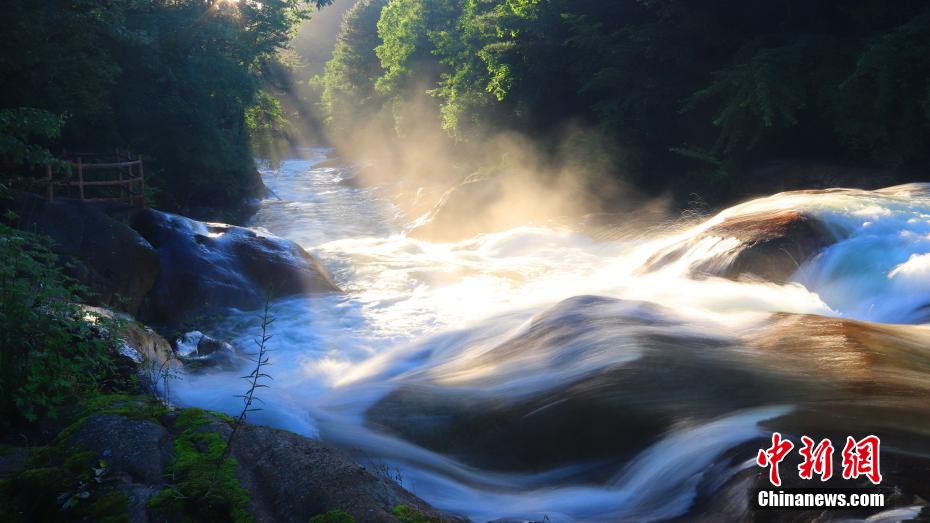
<point>474,338</point>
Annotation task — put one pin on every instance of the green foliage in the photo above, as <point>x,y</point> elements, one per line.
<point>333,516</point>
<point>204,484</point>
<point>744,82</point>
<point>21,128</point>
<point>51,349</point>
<point>883,107</point>
<point>266,125</point>
<point>178,81</point>
<point>349,95</point>
<point>764,92</point>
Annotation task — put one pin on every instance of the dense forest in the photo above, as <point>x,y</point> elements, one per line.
<point>685,94</point>
<point>663,93</point>
<point>183,82</point>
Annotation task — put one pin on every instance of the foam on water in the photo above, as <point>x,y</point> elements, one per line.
<point>414,308</point>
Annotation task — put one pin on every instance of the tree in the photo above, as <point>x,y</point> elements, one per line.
<point>349,94</point>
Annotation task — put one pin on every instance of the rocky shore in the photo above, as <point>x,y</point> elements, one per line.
<point>129,456</point>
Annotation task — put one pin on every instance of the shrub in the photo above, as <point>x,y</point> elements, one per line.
<point>51,349</point>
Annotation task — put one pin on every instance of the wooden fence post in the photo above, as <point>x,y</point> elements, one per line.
<point>81,178</point>
<point>141,184</point>
<point>51,182</point>
<point>123,192</point>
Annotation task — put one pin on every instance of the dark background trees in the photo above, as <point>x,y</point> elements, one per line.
<point>694,94</point>
<point>689,95</point>
<point>179,81</point>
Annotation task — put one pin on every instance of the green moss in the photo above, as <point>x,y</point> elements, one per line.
<point>132,406</point>
<point>407,514</point>
<point>190,419</point>
<point>333,516</point>
<point>205,485</point>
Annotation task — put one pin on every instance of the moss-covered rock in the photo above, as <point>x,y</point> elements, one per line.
<point>205,486</point>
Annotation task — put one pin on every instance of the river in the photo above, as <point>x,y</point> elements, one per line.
<point>434,341</point>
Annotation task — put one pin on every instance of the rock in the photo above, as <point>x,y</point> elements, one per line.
<point>292,478</point>
<point>589,379</point>
<point>117,265</point>
<point>200,350</point>
<point>142,345</point>
<point>770,246</point>
<point>869,359</point>
<point>447,220</point>
<point>140,449</point>
<point>597,380</point>
<point>208,346</point>
<point>207,267</point>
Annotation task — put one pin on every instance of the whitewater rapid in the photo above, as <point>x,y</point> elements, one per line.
<point>415,312</point>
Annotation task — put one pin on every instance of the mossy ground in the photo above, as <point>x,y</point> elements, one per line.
<point>204,484</point>
<point>60,483</point>
<point>408,514</point>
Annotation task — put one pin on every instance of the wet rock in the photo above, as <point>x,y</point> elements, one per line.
<point>118,266</point>
<point>590,379</point>
<point>208,346</point>
<point>769,245</point>
<point>866,359</point>
<point>597,380</point>
<point>207,267</point>
<point>292,478</point>
<point>200,350</point>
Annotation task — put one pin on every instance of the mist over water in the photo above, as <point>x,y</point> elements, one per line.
<point>479,318</point>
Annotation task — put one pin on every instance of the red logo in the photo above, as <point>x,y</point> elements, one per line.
<point>860,458</point>
<point>772,456</point>
<point>817,460</point>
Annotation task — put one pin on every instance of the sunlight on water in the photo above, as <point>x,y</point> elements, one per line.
<point>415,311</point>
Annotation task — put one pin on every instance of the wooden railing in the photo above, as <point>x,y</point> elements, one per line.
<point>125,173</point>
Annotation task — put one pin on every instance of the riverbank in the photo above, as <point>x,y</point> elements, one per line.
<point>120,450</point>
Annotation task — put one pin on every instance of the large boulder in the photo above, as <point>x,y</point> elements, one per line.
<point>113,261</point>
<point>591,378</point>
<point>137,448</point>
<point>768,245</point>
<point>595,379</point>
<point>291,478</point>
<point>206,267</point>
